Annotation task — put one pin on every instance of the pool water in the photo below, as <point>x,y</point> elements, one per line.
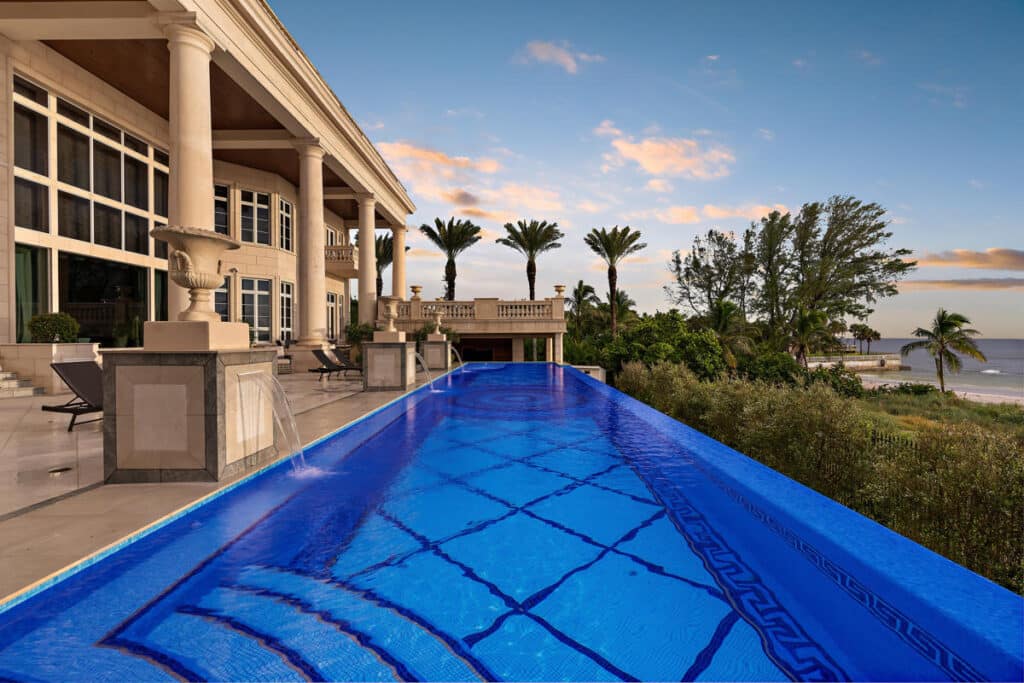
<point>524,523</point>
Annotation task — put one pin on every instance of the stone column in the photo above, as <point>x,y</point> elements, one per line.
<point>312,292</point>
<point>518,353</point>
<point>191,171</point>
<point>549,349</point>
<point>559,348</point>
<point>398,263</point>
<point>367,261</point>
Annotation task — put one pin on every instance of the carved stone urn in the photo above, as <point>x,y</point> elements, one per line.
<point>437,320</point>
<point>195,265</point>
<point>559,290</point>
<point>416,289</point>
<point>391,313</point>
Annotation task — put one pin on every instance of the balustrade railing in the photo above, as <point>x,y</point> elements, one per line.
<point>479,309</point>
<point>341,252</point>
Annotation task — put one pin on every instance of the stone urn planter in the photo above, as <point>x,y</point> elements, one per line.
<point>195,265</point>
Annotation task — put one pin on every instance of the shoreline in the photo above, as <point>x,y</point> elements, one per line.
<point>976,397</point>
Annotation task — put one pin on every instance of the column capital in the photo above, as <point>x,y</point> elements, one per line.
<point>366,199</point>
<point>181,27</point>
<point>310,147</point>
<point>396,229</point>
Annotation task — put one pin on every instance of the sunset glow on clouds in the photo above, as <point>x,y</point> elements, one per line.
<point>666,120</point>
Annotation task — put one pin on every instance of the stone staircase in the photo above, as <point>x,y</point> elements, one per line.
<point>12,387</point>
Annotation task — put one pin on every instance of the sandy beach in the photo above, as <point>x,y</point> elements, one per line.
<point>966,395</point>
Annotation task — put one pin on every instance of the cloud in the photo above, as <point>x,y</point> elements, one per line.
<point>523,198</point>
<point>607,127</point>
<point>751,211</point>
<point>430,172</point>
<point>474,212</point>
<point>560,54</point>
<point>990,259</point>
<point>976,184</point>
<point>766,134</point>
<point>588,206</point>
<point>955,95</point>
<point>868,58</point>
<point>673,156</point>
<point>461,197</point>
<point>800,63</point>
<point>984,283</point>
<point>658,185</point>
<point>376,125</point>
<point>464,112</point>
<point>419,253</point>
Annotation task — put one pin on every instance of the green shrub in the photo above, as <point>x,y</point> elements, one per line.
<point>420,335</point>
<point>357,333</point>
<point>53,327</point>
<point>906,389</point>
<point>842,381</point>
<point>960,492</point>
<point>774,367</point>
<point>580,352</point>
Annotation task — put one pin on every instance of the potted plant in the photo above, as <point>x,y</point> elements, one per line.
<point>53,328</point>
<point>122,333</point>
<point>356,334</point>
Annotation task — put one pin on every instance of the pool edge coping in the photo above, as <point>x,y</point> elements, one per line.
<point>24,593</point>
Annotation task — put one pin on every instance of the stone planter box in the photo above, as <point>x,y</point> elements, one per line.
<point>32,362</point>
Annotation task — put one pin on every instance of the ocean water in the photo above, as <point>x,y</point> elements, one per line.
<point>1001,375</point>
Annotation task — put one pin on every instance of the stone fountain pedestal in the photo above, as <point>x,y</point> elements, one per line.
<point>181,408</point>
<point>437,352</point>
<point>389,361</point>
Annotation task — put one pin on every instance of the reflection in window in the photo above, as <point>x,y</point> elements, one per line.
<point>31,205</point>
<point>106,226</point>
<point>136,234</point>
<point>221,213</point>
<point>106,169</point>
<point>136,183</point>
<point>30,135</point>
<point>72,157</point>
<point>73,217</point>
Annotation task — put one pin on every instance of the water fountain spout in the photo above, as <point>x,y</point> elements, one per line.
<point>268,385</point>
<point>462,363</point>
<point>430,377</point>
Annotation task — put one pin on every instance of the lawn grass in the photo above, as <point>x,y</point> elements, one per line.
<point>909,413</point>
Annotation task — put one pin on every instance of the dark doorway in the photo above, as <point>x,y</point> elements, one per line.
<point>108,299</point>
<point>484,349</point>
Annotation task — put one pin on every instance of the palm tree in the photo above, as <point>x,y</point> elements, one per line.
<point>452,238</point>
<point>582,299</point>
<point>870,335</point>
<point>948,336</point>
<point>809,332</point>
<point>613,246</point>
<point>384,245</point>
<point>726,320</point>
<point>531,240</point>
<point>859,333</point>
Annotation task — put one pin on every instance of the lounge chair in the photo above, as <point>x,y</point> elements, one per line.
<point>329,367</point>
<point>85,379</point>
<point>346,362</point>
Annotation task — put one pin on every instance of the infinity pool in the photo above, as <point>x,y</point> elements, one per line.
<point>523,523</point>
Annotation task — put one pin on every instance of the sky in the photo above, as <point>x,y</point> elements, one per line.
<point>677,117</point>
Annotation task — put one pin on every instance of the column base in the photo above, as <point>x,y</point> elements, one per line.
<point>389,366</point>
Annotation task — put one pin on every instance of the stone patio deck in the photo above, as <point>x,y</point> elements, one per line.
<point>40,535</point>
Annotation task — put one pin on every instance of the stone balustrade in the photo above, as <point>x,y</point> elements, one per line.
<point>490,316</point>
<point>342,260</point>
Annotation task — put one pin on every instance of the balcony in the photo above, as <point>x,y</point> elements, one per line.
<point>342,261</point>
<point>483,316</point>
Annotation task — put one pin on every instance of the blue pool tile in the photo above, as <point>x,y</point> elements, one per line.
<point>576,462</point>
<point>651,627</point>
<point>471,431</point>
<point>624,480</point>
<point>520,555</point>
<point>415,478</point>
<point>518,484</point>
<point>517,446</point>
<point>436,592</point>
<point>439,513</point>
<point>376,540</point>
<point>662,545</point>
<point>522,650</point>
<point>598,514</point>
<point>568,434</point>
<point>458,460</point>
<point>740,657</point>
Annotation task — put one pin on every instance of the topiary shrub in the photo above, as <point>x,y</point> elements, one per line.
<point>49,328</point>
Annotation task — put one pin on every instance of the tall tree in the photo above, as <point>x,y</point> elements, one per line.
<point>859,331</point>
<point>613,246</point>
<point>726,320</point>
<point>582,300</point>
<point>711,271</point>
<point>452,238</point>
<point>531,240</point>
<point>809,333</point>
<point>384,245</point>
<point>948,336</point>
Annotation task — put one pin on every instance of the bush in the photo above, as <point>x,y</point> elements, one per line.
<point>420,335</point>
<point>906,389</point>
<point>580,352</point>
<point>955,488</point>
<point>357,333</point>
<point>665,337</point>
<point>842,381</point>
<point>48,328</point>
<point>774,367</point>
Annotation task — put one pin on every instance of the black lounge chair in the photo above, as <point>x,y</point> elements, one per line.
<point>345,361</point>
<point>85,379</point>
<point>329,367</point>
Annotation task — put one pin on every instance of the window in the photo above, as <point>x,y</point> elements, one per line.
<point>159,193</point>
<point>332,315</point>
<point>136,237</point>
<point>105,129</point>
<point>221,209</point>
<point>31,286</point>
<point>31,205</point>
<point>106,171</point>
<point>255,217</point>
<point>222,301</point>
<point>159,246</point>
<point>285,216</point>
<point>106,226</point>
<point>72,157</point>
<point>73,217</point>
<point>287,288</point>
<point>256,307</point>
<point>332,237</point>
<point>30,91</point>
<point>68,110</point>
<point>159,295</point>
<point>161,157</point>
<point>136,145</point>
<point>136,183</point>
<point>30,136</point>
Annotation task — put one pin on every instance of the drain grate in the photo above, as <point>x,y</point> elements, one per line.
<point>58,471</point>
